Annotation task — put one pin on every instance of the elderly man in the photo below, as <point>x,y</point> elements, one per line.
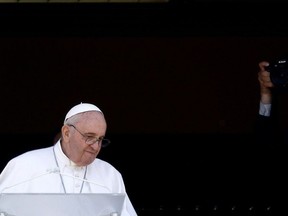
<point>71,165</point>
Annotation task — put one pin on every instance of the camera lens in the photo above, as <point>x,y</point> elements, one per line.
<point>279,72</point>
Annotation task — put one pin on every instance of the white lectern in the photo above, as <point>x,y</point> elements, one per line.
<point>60,204</point>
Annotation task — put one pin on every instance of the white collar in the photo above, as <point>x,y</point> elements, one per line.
<point>63,160</point>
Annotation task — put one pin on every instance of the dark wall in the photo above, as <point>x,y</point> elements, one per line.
<point>177,68</point>
<point>143,85</point>
<point>177,84</point>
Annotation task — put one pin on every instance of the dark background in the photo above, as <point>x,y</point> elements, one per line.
<point>177,83</point>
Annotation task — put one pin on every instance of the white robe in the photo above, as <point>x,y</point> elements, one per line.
<point>37,171</point>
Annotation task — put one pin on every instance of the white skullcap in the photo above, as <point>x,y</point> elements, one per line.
<point>82,107</point>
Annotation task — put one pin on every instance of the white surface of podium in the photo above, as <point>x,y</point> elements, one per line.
<point>60,204</point>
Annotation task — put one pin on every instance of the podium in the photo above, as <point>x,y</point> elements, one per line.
<point>60,204</point>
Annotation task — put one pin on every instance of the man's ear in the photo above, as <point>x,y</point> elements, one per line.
<point>65,132</point>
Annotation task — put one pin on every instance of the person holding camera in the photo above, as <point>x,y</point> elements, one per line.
<point>267,124</point>
<point>273,81</point>
<point>271,137</point>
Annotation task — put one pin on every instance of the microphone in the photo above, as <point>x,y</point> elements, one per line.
<point>57,171</point>
<point>54,171</point>
<point>48,172</point>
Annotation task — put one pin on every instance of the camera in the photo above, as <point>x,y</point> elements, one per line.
<point>278,69</point>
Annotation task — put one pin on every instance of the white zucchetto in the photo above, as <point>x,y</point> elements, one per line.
<point>82,107</point>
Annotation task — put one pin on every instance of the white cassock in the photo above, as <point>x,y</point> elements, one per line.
<point>37,171</point>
